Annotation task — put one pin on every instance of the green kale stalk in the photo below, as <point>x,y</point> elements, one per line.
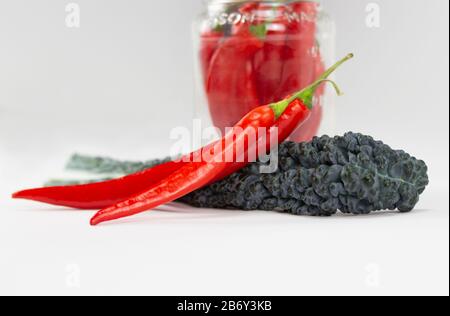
<point>102,165</point>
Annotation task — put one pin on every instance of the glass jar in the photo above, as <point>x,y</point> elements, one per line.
<point>251,53</point>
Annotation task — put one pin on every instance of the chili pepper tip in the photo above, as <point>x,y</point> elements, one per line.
<point>103,216</point>
<point>19,195</point>
<point>95,220</point>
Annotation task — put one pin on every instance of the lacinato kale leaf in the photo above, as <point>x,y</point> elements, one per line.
<point>352,174</point>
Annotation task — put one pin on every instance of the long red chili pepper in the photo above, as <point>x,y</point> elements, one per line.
<point>194,176</point>
<point>269,60</point>
<point>307,58</point>
<point>209,42</point>
<point>289,59</point>
<point>105,193</point>
<point>310,128</point>
<point>230,86</point>
<point>298,69</point>
<point>101,195</point>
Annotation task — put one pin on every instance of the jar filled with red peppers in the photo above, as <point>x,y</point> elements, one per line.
<point>251,53</point>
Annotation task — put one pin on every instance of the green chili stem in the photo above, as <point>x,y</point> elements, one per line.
<point>307,94</point>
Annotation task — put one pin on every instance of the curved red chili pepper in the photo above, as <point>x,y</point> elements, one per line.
<point>296,112</point>
<point>307,131</point>
<point>103,194</point>
<point>209,42</point>
<point>288,112</point>
<point>269,60</point>
<point>306,57</point>
<point>99,195</point>
<point>192,176</point>
<point>231,87</point>
<point>196,175</point>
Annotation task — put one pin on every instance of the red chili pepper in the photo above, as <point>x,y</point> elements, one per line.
<point>209,42</point>
<point>305,58</point>
<point>307,40</point>
<point>231,87</point>
<point>269,60</point>
<point>288,112</point>
<point>310,128</point>
<point>286,62</point>
<point>103,194</point>
<point>296,112</point>
<point>99,195</point>
<point>299,68</point>
<point>194,176</point>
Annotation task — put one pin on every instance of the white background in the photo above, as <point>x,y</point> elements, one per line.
<point>117,85</point>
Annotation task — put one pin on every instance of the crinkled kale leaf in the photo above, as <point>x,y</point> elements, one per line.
<point>351,174</point>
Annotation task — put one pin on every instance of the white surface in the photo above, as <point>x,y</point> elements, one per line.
<point>226,253</point>
<point>209,252</point>
<point>56,85</point>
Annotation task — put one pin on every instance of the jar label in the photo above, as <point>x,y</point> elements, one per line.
<point>236,18</point>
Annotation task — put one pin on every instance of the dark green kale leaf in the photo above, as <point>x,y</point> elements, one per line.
<point>352,174</point>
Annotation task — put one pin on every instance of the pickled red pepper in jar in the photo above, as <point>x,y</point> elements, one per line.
<point>258,52</point>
